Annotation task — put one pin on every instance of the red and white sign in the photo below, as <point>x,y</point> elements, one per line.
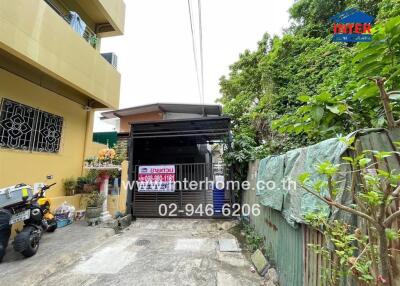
<point>157,178</point>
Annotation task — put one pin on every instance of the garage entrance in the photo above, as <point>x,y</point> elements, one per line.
<point>174,165</point>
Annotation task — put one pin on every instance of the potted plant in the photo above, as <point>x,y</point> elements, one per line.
<point>69,186</point>
<point>106,156</point>
<point>94,206</point>
<point>80,182</point>
<point>90,161</point>
<point>90,183</point>
<point>89,188</point>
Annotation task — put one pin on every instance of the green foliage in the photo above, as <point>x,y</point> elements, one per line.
<point>92,176</point>
<point>90,160</point>
<point>379,58</point>
<point>121,152</point>
<point>347,99</point>
<point>302,88</point>
<point>312,16</point>
<point>327,168</point>
<point>392,234</point>
<point>95,199</point>
<point>357,253</point>
<point>346,242</point>
<point>254,241</point>
<point>80,182</point>
<point>299,66</point>
<point>388,9</point>
<point>69,186</point>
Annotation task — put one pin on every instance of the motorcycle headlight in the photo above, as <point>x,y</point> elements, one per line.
<point>36,215</point>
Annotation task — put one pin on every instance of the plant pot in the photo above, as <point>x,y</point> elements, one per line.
<point>93,212</point>
<point>79,190</point>
<point>70,192</point>
<point>88,188</point>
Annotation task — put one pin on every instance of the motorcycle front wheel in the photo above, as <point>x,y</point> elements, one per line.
<point>27,241</point>
<point>5,231</point>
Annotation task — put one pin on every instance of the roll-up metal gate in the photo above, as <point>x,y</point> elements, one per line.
<point>185,144</point>
<point>187,200</point>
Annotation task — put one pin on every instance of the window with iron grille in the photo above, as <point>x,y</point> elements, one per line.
<point>26,128</point>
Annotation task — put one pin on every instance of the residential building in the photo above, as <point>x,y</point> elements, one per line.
<point>121,119</point>
<point>52,79</point>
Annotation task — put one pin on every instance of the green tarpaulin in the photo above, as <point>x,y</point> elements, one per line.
<point>281,190</point>
<point>291,199</point>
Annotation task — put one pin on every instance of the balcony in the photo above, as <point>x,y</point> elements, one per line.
<point>103,17</point>
<point>66,13</point>
<point>36,36</point>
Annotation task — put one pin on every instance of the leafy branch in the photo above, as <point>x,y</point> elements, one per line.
<point>377,191</point>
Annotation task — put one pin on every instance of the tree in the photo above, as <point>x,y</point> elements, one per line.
<point>372,204</point>
<point>346,98</point>
<point>378,66</point>
<point>301,88</point>
<point>312,16</point>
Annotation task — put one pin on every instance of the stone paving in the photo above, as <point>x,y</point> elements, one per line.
<point>149,252</point>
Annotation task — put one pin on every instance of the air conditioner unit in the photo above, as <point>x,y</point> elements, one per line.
<point>111,58</point>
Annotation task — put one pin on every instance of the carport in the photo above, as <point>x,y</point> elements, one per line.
<point>176,150</point>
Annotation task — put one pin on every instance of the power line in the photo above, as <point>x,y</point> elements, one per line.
<point>194,51</point>
<point>201,53</point>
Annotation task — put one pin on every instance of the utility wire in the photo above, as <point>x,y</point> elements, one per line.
<point>201,53</point>
<point>194,51</point>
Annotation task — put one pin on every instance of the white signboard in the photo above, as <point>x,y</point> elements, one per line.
<point>157,178</point>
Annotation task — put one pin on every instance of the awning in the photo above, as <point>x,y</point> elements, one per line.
<point>201,129</point>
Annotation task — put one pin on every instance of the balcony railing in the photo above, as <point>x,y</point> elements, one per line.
<point>64,13</point>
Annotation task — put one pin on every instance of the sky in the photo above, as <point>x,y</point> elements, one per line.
<point>155,56</point>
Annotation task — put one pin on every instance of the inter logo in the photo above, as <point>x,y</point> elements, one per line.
<point>352,26</point>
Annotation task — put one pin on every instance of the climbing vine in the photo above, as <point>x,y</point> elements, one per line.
<point>302,88</point>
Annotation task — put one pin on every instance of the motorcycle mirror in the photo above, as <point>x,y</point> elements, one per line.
<point>49,177</point>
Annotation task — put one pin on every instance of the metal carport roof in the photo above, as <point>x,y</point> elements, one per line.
<point>203,129</point>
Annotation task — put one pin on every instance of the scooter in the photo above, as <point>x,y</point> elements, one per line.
<point>37,218</point>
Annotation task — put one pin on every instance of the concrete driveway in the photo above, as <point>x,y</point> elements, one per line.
<point>150,252</point>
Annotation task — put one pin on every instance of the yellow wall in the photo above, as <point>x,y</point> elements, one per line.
<point>116,203</point>
<point>115,11</point>
<point>30,167</point>
<point>93,149</point>
<point>33,32</point>
<point>21,166</point>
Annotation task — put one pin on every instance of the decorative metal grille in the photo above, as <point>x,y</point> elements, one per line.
<point>48,133</point>
<point>27,128</point>
<point>17,123</point>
